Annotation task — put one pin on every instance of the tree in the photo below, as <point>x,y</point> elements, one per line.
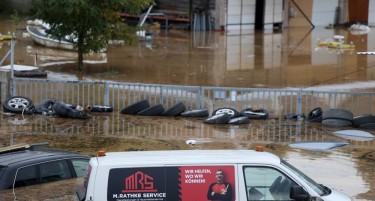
<point>88,23</point>
<point>16,19</point>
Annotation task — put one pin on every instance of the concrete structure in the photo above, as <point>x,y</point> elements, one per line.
<point>329,12</point>
<point>263,14</point>
<point>5,84</point>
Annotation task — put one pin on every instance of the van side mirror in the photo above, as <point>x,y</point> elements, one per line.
<point>297,193</point>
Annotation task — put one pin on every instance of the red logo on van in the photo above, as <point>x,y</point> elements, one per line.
<point>139,182</point>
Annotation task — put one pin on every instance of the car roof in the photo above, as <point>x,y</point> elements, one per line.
<point>35,154</point>
<point>185,157</point>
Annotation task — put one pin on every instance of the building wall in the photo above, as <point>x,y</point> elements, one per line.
<point>319,12</point>
<point>298,11</point>
<point>324,12</point>
<point>181,8</point>
<point>218,14</point>
<point>358,11</point>
<point>371,13</point>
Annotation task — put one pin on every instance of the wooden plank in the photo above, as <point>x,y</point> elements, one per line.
<point>177,19</point>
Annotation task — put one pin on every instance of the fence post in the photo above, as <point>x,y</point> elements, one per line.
<point>200,98</point>
<point>299,102</point>
<point>161,95</point>
<point>106,93</point>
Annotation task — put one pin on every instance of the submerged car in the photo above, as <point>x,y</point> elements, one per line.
<point>25,169</point>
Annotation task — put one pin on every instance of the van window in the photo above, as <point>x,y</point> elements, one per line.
<point>25,176</point>
<point>80,166</point>
<point>319,189</point>
<point>266,183</point>
<point>54,171</point>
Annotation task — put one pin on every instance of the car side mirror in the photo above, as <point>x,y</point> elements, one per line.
<point>297,193</point>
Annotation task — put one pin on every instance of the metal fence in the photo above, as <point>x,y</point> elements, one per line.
<point>278,102</point>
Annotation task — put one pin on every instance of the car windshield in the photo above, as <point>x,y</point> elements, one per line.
<point>319,189</point>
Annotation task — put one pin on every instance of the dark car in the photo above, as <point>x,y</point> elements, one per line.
<point>27,165</point>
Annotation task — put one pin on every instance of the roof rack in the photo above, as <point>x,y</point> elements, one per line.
<point>20,146</point>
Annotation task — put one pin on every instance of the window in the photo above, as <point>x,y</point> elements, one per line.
<point>54,171</point>
<point>25,177</point>
<point>319,189</point>
<point>266,183</point>
<point>80,166</point>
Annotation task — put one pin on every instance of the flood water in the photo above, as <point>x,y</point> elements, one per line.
<point>269,59</point>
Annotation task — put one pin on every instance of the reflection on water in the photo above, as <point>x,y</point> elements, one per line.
<point>274,134</point>
<point>290,58</point>
<point>123,126</point>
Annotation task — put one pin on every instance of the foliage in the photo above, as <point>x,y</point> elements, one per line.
<point>16,18</point>
<point>88,23</point>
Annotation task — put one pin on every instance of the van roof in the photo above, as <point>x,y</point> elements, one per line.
<point>24,154</point>
<point>184,157</point>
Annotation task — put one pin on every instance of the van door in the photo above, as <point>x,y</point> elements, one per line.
<point>171,183</point>
<point>264,183</point>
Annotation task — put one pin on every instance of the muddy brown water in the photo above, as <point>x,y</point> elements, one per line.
<point>257,59</point>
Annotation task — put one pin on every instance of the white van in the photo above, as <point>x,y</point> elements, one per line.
<point>197,175</point>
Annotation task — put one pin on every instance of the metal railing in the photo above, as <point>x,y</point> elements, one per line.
<point>278,102</point>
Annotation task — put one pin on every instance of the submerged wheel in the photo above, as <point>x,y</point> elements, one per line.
<point>239,120</point>
<point>101,108</point>
<point>136,107</point>
<point>315,115</point>
<point>336,123</point>
<point>363,119</point>
<point>222,118</point>
<point>17,104</point>
<point>152,111</point>
<point>255,114</point>
<point>338,114</point>
<point>175,110</point>
<point>195,113</point>
<point>230,111</point>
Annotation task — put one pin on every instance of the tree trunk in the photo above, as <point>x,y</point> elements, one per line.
<point>80,53</point>
<point>80,60</point>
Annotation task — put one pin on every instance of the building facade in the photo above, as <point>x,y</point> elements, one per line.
<point>260,14</point>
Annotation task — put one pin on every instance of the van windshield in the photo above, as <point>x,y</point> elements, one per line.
<point>82,191</point>
<point>319,189</point>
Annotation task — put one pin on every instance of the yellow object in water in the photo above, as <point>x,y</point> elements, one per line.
<point>327,43</point>
<point>6,37</point>
<point>322,43</point>
<point>341,46</point>
<point>336,44</point>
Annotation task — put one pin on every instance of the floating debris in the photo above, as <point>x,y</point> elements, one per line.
<point>317,146</point>
<point>193,142</point>
<point>354,135</point>
<point>359,29</point>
